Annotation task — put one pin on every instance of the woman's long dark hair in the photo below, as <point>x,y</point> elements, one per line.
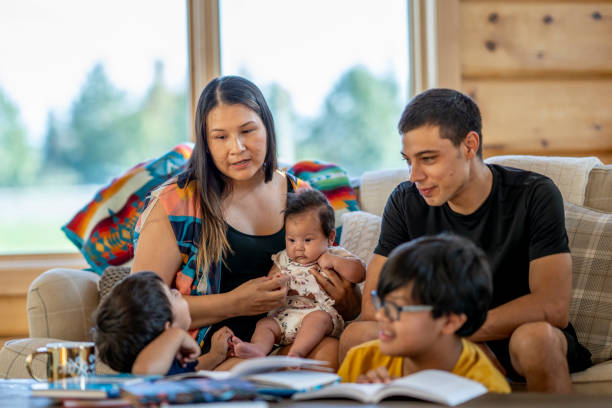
<point>212,184</point>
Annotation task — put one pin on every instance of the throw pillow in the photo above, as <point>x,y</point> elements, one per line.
<point>111,276</point>
<point>360,233</point>
<point>103,229</point>
<point>332,181</point>
<point>590,241</point>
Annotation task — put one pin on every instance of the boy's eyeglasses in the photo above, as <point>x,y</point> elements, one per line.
<point>393,311</point>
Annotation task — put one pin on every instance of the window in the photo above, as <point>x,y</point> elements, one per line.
<point>87,90</point>
<point>335,74</point>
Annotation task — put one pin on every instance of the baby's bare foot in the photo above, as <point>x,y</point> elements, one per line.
<point>247,350</point>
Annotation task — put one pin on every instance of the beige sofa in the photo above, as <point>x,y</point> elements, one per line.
<point>60,302</point>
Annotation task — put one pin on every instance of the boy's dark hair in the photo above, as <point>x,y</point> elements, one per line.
<point>448,272</point>
<point>130,317</point>
<point>306,200</point>
<point>455,113</point>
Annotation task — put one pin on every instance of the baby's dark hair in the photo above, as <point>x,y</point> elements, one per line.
<point>131,316</point>
<point>447,271</point>
<point>306,200</point>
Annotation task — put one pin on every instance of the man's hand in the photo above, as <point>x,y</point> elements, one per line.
<point>345,294</point>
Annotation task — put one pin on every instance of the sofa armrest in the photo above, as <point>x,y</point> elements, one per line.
<point>60,303</point>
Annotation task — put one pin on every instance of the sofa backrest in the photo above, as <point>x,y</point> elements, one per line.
<point>582,181</point>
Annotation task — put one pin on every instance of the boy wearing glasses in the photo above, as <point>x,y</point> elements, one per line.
<point>432,292</point>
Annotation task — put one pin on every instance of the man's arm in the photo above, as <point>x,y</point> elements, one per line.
<point>550,283</point>
<point>372,275</point>
<point>350,268</point>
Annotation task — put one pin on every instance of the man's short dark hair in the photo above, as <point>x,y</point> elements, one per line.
<point>455,113</point>
<point>131,316</point>
<point>306,200</point>
<point>447,271</point>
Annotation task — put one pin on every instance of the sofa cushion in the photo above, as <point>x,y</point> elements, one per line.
<point>598,372</point>
<point>103,229</point>
<point>570,174</point>
<point>14,353</point>
<point>60,303</point>
<point>599,189</point>
<point>361,231</point>
<point>376,186</point>
<point>590,241</point>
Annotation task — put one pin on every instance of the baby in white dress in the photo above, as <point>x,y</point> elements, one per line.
<point>309,315</point>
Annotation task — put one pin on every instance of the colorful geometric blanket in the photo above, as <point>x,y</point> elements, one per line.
<point>103,229</point>
<point>332,181</point>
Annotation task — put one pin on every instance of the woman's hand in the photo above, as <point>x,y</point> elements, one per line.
<point>260,295</point>
<point>345,294</point>
<point>378,375</point>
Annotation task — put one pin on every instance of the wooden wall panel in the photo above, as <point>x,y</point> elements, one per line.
<point>506,38</point>
<point>13,316</point>
<point>545,117</point>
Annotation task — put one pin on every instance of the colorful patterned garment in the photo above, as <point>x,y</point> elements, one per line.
<point>177,198</point>
<point>102,230</point>
<point>332,181</point>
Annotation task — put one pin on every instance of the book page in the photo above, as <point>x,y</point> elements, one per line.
<point>269,363</point>
<point>359,392</point>
<point>301,380</point>
<point>437,385</point>
<point>255,365</point>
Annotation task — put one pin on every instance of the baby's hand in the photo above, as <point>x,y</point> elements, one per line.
<point>326,261</point>
<point>378,375</point>
<point>220,342</point>
<point>282,278</point>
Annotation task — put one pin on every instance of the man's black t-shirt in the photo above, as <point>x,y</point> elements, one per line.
<point>521,220</point>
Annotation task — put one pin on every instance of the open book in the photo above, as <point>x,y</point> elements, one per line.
<point>264,372</point>
<point>430,385</point>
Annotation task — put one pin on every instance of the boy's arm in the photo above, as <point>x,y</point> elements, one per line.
<point>351,269</point>
<point>157,356</point>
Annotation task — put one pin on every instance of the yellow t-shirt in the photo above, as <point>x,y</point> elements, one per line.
<point>472,364</point>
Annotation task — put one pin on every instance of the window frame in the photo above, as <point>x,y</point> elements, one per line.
<point>434,61</point>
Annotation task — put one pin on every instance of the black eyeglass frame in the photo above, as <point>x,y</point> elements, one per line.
<point>394,311</point>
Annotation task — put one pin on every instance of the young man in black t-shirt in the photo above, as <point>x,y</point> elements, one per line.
<point>515,216</point>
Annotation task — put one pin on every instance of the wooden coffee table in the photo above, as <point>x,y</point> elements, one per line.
<point>16,394</point>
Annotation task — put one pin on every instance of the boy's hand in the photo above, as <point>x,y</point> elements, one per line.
<point>378,375</point>
<point>220,342</point>
<point>188,351</point>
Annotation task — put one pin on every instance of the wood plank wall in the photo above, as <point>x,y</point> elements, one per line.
<point>541,72</point>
